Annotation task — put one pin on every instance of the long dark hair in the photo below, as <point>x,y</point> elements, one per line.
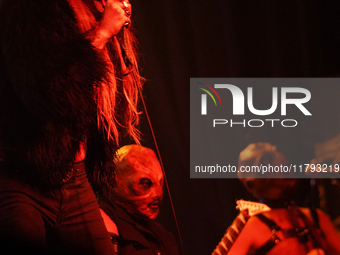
<point>107,94</point>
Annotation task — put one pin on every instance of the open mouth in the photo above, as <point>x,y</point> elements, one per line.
<point>154,205</point>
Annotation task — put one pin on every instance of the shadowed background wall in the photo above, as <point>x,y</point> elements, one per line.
<point>222,38</point>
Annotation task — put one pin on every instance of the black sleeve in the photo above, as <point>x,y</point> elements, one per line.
<point>52,67</point>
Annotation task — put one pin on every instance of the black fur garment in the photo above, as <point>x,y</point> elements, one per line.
<point>48,78</point>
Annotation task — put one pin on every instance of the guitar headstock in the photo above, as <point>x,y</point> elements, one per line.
<point>253,208</point>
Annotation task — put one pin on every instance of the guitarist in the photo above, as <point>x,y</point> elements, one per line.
<point>286,228</point>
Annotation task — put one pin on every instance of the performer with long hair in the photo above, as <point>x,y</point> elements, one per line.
<point>68,92</point>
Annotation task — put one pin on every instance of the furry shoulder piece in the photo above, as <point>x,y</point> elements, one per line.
<point>49,75</point>
<point>51,66</point>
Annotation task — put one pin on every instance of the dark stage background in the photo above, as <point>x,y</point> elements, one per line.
<point>183,39</point>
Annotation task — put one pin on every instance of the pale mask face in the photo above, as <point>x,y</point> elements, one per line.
<point>140,184</point>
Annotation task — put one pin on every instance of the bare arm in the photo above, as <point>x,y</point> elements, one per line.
<point>114,17</point>
<point>331,236</point>
<point>253,235</point>
<point>109,224</point>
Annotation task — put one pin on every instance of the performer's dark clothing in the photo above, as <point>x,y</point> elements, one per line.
<point>67,221</point>
<point>49,77</point>
<point>137,237</point>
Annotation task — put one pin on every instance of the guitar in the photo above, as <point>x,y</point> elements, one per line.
<point>247,209</point>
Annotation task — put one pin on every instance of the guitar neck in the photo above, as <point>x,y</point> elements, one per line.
<point>231,234</point>
<point>247,209</point>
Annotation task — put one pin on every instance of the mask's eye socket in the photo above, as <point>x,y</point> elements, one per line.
<point>146,183</point>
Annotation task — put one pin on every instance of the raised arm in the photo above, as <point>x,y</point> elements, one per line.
<point>51,65</point>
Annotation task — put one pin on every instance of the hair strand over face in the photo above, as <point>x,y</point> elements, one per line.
<point>107,92</point>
